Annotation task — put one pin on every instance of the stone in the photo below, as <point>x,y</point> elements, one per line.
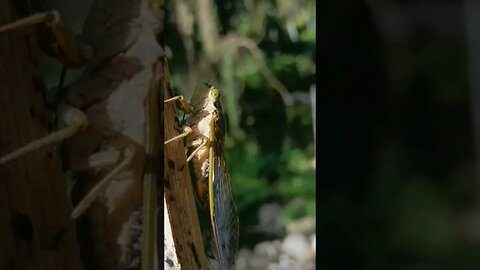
<point>297,246</point>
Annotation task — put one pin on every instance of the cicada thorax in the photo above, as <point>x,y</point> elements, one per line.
<point>199,164</point>
<point>199,122</point>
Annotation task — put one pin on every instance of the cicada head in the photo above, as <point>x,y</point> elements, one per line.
<point>214,94</point>
<point>204,96</point>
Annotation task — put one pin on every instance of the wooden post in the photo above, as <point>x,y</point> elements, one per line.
<point>183,240</point>
<point>34,204</point>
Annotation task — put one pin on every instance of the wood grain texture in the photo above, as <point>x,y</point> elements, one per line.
<point>34,204</point>
<point>181,219</point>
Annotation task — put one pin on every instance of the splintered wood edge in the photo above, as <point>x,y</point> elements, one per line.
<point>170,260</point>
<point>183,243</point>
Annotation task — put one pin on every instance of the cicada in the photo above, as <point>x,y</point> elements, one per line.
<point>204,133</point>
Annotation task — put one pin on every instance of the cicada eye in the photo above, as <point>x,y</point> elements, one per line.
<point>215,93</point>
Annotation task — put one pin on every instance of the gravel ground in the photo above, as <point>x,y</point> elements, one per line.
<point>296,251</point>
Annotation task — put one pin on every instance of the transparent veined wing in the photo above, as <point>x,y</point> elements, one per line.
<point>200,97</point>
<point>223,212</point>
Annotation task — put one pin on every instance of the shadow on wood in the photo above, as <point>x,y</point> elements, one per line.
<point>33,197</point>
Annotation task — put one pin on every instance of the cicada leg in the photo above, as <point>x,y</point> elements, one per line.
<point>203,142</point>
<point>186,132</point>
<point>96,161</point>
<point>182,104</point>
<point>128,155</point>
<point>76,121</point>
<point>64,46</point>
<point>63,43</point>
<point>28,21</point>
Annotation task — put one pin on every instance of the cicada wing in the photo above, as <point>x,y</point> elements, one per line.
<point>224,215</point>
<point>200,97</point>
<point>208,237</point>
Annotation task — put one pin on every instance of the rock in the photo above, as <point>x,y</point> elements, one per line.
<point>269,217</point>
<point>247,260</point>
<point>242,259</point>
<point>305,225</point>
<point>269,250</point>
<point>313,240</point>
<point>285,262</point>
<point>297,246</point>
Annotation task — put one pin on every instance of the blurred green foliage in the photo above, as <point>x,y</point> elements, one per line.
<point>269,148</point>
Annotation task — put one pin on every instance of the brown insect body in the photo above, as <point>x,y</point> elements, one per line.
<point>199,122</point>
<point>217,210</point>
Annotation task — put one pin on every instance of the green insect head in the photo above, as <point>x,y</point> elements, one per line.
<point>214,93</point>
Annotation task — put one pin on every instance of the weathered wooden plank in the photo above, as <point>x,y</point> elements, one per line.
<point>181,219</point>
<point>34,204</point>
